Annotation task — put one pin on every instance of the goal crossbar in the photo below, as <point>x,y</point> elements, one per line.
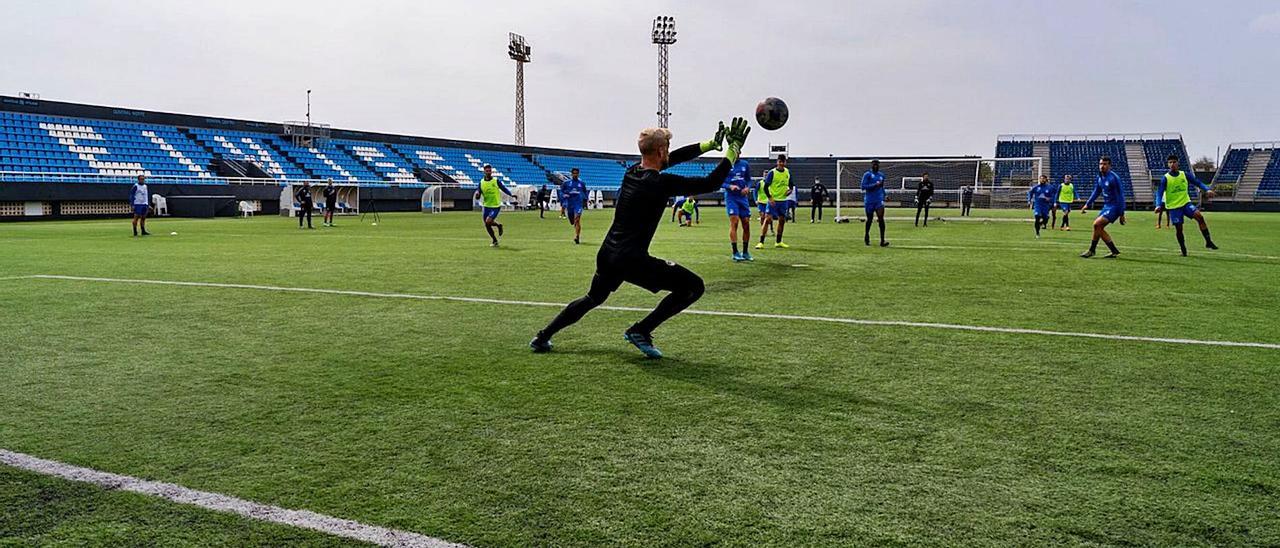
<point>949,176</point>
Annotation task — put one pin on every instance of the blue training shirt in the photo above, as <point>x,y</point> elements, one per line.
<point>573,192</point>
<point>873,186</point>
<point>1111,190</point>
<point>1042,195</point>
<point>740,176</point>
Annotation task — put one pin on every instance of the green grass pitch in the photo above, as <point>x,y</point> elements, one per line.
<point>433,416</point>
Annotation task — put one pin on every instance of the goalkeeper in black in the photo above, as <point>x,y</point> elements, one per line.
<point>924,198</point>
<point>624,256</point>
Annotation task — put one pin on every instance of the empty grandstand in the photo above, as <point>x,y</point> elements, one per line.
<point>44,144</point>
<point>1138,158</point>
<point>1254,169</point>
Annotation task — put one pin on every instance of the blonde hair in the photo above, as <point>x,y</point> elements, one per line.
<point>651,140</point>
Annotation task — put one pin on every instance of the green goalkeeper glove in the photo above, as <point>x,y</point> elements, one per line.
<point>737,136</point>
<point>716,143</point>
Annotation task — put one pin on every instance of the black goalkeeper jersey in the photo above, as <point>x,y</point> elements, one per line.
<point>643,199</point>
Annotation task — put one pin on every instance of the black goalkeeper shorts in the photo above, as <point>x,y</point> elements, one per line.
<point>651,273</point>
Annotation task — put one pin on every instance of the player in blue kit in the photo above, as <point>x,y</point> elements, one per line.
<point>873,201</point>
<point>1111,190</point>
<point>1041,199</point>
<point>574,194</point>
<point>1172,197</point>
<point>737,204</point>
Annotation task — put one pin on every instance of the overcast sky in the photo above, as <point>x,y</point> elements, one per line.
<point>866,77</point>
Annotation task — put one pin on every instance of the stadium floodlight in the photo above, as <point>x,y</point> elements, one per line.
<point>664,35</point>
<point>519,51</point>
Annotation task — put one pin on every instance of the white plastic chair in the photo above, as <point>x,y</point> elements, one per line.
<point>161,205</point>
<point>246,209</point>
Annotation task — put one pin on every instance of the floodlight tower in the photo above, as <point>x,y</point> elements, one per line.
<point>664,34</point>
<point>520,52</point>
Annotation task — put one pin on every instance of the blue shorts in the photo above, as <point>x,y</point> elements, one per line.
<point>573,210</point>
<point>140,210</point>
<point>778,210</point>
<point>1176,214</point>
<point>871,207</point>
<point>1111,214</point>
<point>764,208</point>
<point>492,212</point>
<point>1065,206</point>
<point>1042,210</point>
<point>737,208</point>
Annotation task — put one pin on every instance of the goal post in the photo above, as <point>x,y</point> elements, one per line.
<point>433,197</point>
<point>949,176</point>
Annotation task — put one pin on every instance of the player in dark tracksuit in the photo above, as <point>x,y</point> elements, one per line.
<point>330,202</point>
<point>305,203</point>
<point>817,198</point>
<point>624,255</point>
<point>924,197</point>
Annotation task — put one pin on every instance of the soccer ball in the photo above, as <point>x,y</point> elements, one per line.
<point>772,113</point>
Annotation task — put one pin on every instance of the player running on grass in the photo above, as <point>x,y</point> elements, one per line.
<point>737,203</point>
<point>624,255</point>
<point>1172,196</point>
<point>1066,197</point>
<point>873,201</point>
<point>574,192</point>
<point>1041,199</point>
<point>490,198</point>
<point>1112,191</point>
<point>777,185</point>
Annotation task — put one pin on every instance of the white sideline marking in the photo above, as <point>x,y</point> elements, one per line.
<point>851,321</point>
<point>223,503</point>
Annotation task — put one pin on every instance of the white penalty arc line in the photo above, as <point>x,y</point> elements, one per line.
<point>224,503</point>
<point>822,319</point>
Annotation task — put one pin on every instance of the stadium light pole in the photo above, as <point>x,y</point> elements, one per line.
<point>519,51</point>
<point>664,35</point>
<point>308,109</point>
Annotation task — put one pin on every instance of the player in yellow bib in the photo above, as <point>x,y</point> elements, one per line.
<point>1172,196</point>
<point>762,202</point>
<point>489,192</point>
<point>1066,197</point>
<point>777,184</point>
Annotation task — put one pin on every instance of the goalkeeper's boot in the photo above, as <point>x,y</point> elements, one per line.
<point>644,342</point>
<point>540,345</point>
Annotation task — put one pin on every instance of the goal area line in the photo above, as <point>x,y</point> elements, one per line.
<point>695,312</point>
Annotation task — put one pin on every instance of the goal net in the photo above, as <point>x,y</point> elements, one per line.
<point>992,180</point>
